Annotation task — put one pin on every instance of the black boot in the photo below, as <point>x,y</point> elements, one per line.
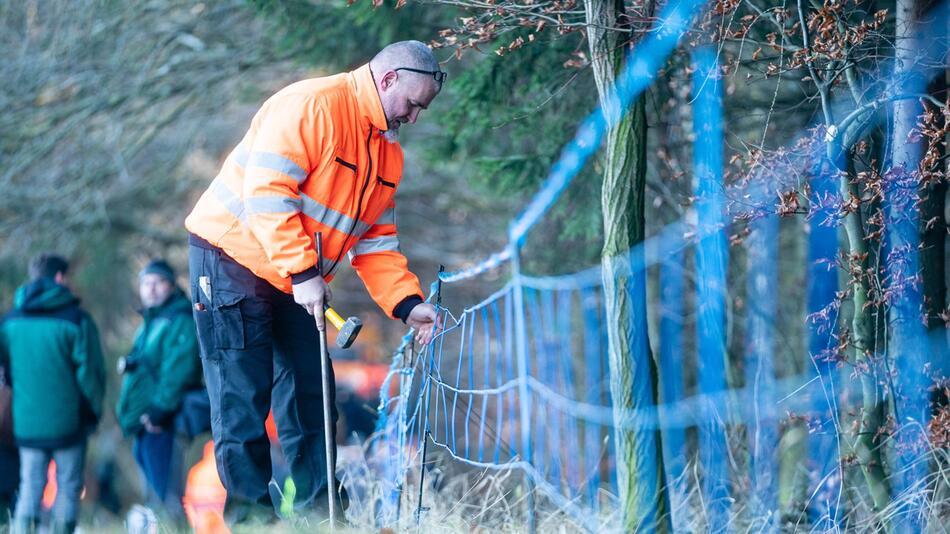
<point>254,513</point>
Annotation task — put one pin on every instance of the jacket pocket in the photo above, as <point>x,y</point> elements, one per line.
<point>384,183</point>
<point>347,164</point>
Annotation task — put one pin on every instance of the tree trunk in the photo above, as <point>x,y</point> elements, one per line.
<point>633,372</point>
<point>822,284</point>
<point>905,155</point>
<point>867,444</point>
<point>933,250</point>
<point>944,362</point>
<point>905,343</point>
<point>763,277</point>
<point>792,473</point>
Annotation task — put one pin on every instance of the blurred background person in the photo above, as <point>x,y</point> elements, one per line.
<point>58,379</point>
<point>157,376</point>
<point>9,456</point>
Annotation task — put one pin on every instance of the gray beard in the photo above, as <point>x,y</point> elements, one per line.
<point>391,135</point>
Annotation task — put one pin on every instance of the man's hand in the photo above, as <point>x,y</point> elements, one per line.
<point>312,295</point>
<point>425,321</point>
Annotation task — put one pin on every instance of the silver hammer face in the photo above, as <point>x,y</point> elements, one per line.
<point>347,335</point>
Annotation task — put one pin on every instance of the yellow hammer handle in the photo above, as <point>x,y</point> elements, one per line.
<point>335,318</point>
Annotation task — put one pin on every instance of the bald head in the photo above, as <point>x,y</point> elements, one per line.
<point>405,93</point>
<point>412,54</point>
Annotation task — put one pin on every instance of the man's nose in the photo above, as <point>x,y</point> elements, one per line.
<point>413,116</point>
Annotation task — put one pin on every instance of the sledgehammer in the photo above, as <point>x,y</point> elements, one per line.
<point>348,329</point>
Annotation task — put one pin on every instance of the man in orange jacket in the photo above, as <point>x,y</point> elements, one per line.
<point>321,155</point>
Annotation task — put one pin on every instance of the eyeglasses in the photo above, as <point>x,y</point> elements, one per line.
<point>437,74</point>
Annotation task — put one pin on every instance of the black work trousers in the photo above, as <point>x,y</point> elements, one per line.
<point>259,350</point>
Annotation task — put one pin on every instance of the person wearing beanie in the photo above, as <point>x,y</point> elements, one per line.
<point>160,370</point>
<point>51,347</point>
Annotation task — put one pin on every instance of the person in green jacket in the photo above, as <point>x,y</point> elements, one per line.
<point>58,380</point>
<point>161,369</point>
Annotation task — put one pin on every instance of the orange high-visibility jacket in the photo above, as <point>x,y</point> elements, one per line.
<point>312,161</point>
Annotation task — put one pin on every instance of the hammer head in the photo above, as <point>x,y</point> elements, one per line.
<point>348,332</point>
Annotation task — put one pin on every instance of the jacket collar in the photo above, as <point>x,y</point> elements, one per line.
<point>367,98</point>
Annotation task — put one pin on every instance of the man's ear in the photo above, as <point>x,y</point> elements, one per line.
<point>388,79</point>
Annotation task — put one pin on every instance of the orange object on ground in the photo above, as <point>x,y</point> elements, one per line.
<point>204,496</point>
<point>313,160</point>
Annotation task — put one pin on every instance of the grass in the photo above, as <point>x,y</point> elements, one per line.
<point>460,500</point>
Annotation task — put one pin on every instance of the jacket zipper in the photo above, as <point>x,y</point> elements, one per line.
<point>346,164</point>
<point>359,202</point>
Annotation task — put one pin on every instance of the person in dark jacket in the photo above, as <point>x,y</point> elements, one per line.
<point>58,378</point>
<point>9,455</point>
<point>162,367</point>
<point>9,482</point>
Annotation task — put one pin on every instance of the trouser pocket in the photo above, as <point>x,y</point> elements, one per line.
<point>216,305</point>
<point>227,319</point>
<point>218,320</point>
<point>200,265</point>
